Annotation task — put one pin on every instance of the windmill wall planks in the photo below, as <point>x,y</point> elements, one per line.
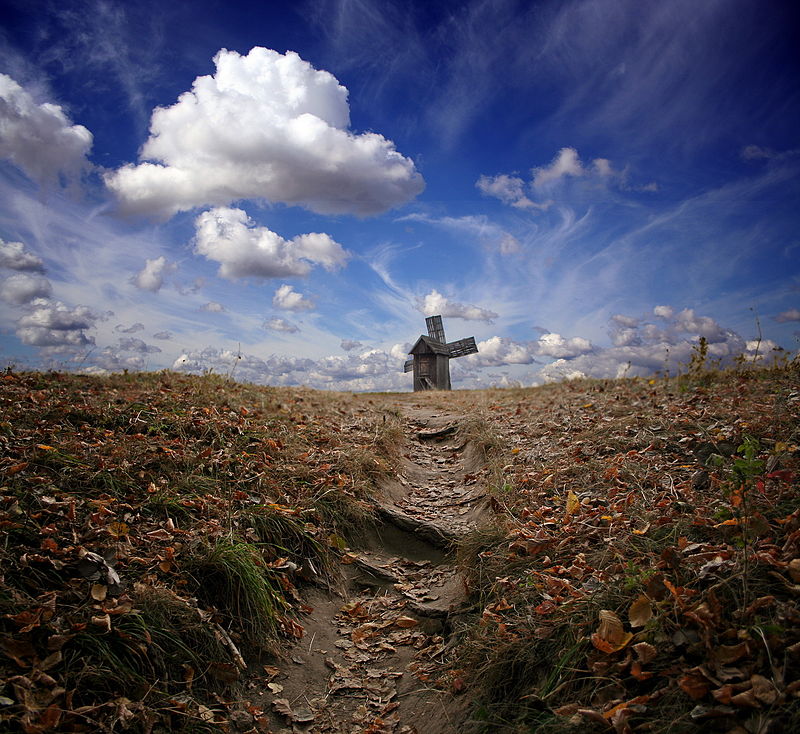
<point>430,356</point>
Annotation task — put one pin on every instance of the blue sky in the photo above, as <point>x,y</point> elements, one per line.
<point>290,188</point>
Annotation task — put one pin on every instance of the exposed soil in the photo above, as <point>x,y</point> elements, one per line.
<point>371,648</point>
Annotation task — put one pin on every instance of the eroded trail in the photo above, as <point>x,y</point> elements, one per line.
<point>371,656</point>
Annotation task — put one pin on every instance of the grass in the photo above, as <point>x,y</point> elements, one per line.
<point>231,576</point>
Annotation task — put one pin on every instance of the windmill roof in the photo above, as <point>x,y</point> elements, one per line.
<point>426,344</point>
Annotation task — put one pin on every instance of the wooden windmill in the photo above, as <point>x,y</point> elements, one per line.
<point>431,355</point>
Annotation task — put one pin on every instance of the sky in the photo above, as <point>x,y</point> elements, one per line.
<point>281,192</point>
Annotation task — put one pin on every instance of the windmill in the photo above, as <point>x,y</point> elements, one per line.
<point>431,356</point>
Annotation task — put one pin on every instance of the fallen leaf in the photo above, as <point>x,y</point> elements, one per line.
<point>725,654</point>
<point>694,684</point>
<point>303,716</point>
<point>272,671</point>
<point>641,612</point>
<point>764,690</point>
<point>645,651</point>
<point>99,592</point>
<point>281,706</point>
<point>573,503</point>
<point>103,621</point>
<point>610,636</point>
<point>275,688</point>
<point>406,622</point>
<point>746,699</point>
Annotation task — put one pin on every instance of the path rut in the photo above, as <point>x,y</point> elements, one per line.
<point>370,657</point>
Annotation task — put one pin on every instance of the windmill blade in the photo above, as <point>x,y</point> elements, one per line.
<point>435,328</point>
<point>408,366</point>
<point>462,347</point>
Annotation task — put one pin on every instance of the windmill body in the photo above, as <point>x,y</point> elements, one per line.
<point>431,355</point>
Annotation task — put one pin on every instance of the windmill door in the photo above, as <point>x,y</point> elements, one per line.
<point>427,371</point>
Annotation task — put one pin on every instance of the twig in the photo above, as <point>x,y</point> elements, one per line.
<point>226,638</point>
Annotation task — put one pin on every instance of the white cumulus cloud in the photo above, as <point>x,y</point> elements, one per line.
<point>132,344</point>
<point>793,314</point>
<point>509,189</point>
<point>566,163</point>
<point>287,298</point>
<point>132,329</point>
<point>243,249</point>
<point>555,345</point>
<point>436,304</point>
<point>151,276</point>
<point>14,256</point>
<point>265,125</point>
<point>281,325</point>
<point>23,288</point>
<point>53,324</point>
<point>213,307</point>
<point>39,138</point>
<point>500,350</point>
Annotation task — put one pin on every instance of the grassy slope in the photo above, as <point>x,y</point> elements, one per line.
<point>644,570</point>
<point>626,501</point>
<point>210,501</point>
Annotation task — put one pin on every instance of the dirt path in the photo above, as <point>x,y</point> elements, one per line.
<point>369,656</point>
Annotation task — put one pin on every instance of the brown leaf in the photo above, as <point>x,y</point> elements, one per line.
<point>638,672</point>
<point>645,651</point>
<point>281,706</point>
<point>746,699</point>
<point>764,690</point>
<point>272,671</point>
<point>723,694</point>
<point>794,570</point>
<point>694,684</point>
<point>655,587</point>
<point>640,612</point>
<point>103,621</point>
<point>225,672</point>
<point>573,503</point>
<point>99,592</point>
<point>610,635</point>
<point>726,654</point>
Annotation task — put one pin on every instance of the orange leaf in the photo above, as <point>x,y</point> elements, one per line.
<point>638,673</point>
<point>694,684</point>
<point>573,503</point>
<point>610,635</point>
<point>406,622</point>
<point>17,468</point>
<point>625,704</point>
